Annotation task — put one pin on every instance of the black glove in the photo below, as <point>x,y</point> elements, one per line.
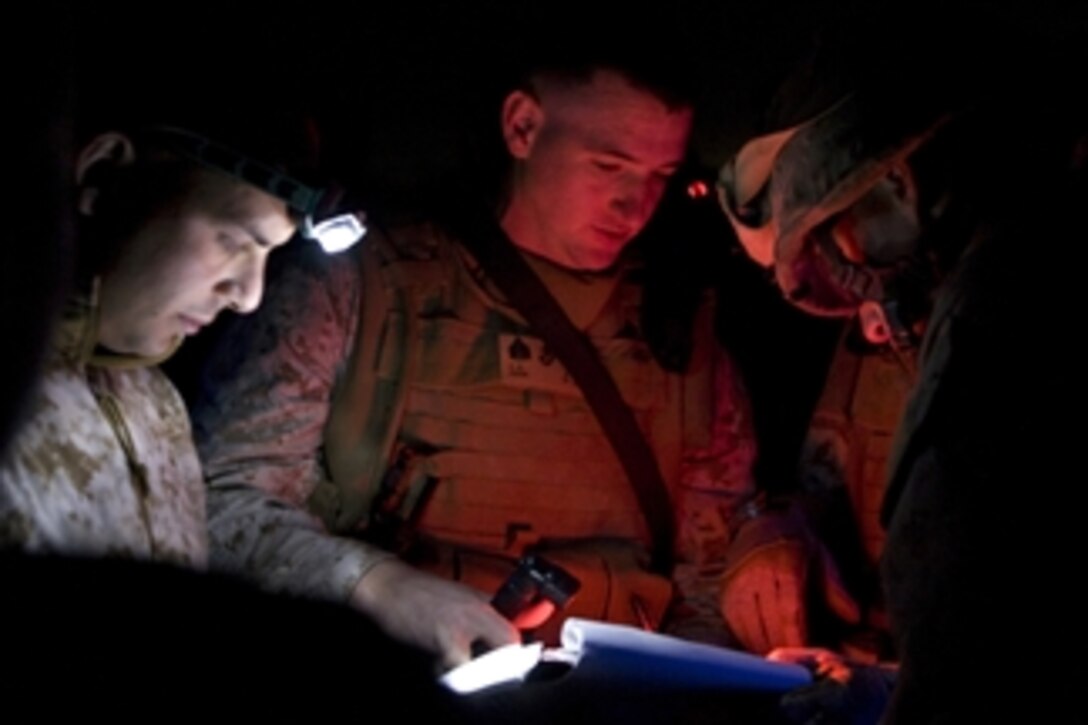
<point>859,700</point>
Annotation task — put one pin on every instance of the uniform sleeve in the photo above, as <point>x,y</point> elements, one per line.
<point>715,480</point>
<point>984,559</point>
<point>258,421</point>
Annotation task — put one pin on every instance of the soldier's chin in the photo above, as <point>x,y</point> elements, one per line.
<point>159,348</point>
<point>598,260</point>
<point>817,293</point>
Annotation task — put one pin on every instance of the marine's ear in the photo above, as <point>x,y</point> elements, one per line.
<point>96,164</point>
<point>522,119</point>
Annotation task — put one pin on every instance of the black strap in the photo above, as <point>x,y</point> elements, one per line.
<point>505,266</point>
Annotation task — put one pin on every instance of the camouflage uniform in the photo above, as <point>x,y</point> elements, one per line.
<point>104,465</point>
<point>441,410</point>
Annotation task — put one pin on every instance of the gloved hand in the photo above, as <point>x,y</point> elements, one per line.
<point>844,693</point>
<point>763,595</point>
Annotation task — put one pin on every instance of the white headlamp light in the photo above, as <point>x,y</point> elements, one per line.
<point>334,234</point>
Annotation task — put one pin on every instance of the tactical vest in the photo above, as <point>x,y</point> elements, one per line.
<point>850,437</point>
<point>849,445</point>
<point>453,415</point>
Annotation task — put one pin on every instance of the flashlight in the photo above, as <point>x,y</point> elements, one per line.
<point>534,579</point>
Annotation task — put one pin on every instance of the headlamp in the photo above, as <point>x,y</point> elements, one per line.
<point>334,233</point>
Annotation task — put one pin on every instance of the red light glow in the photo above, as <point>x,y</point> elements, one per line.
<point>698,189</point>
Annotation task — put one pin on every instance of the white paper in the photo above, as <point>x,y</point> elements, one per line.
<point>502,664</point>
<point>634,654</point>
<point>620,653</point>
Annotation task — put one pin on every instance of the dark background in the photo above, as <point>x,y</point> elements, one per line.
<point>401,84</point>
<point>407,94</point>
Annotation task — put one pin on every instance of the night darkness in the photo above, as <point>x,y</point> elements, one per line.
<point>407,96</point>
<point>404,93</point>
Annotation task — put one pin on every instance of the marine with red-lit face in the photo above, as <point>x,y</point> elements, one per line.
<point>590,163</point>
<point>590,157</point>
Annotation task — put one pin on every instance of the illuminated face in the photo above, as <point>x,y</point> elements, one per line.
<point>195,257</point>
<point>591,161</point>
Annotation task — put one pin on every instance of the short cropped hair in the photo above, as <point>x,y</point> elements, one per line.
<point>651,52</point>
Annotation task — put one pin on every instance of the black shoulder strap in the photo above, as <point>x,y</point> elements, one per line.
<point>505,266</point>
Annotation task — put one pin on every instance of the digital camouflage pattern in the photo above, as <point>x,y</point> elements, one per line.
<point>105,464</point>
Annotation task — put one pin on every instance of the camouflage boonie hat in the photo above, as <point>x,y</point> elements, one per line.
<point>781,187</point>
